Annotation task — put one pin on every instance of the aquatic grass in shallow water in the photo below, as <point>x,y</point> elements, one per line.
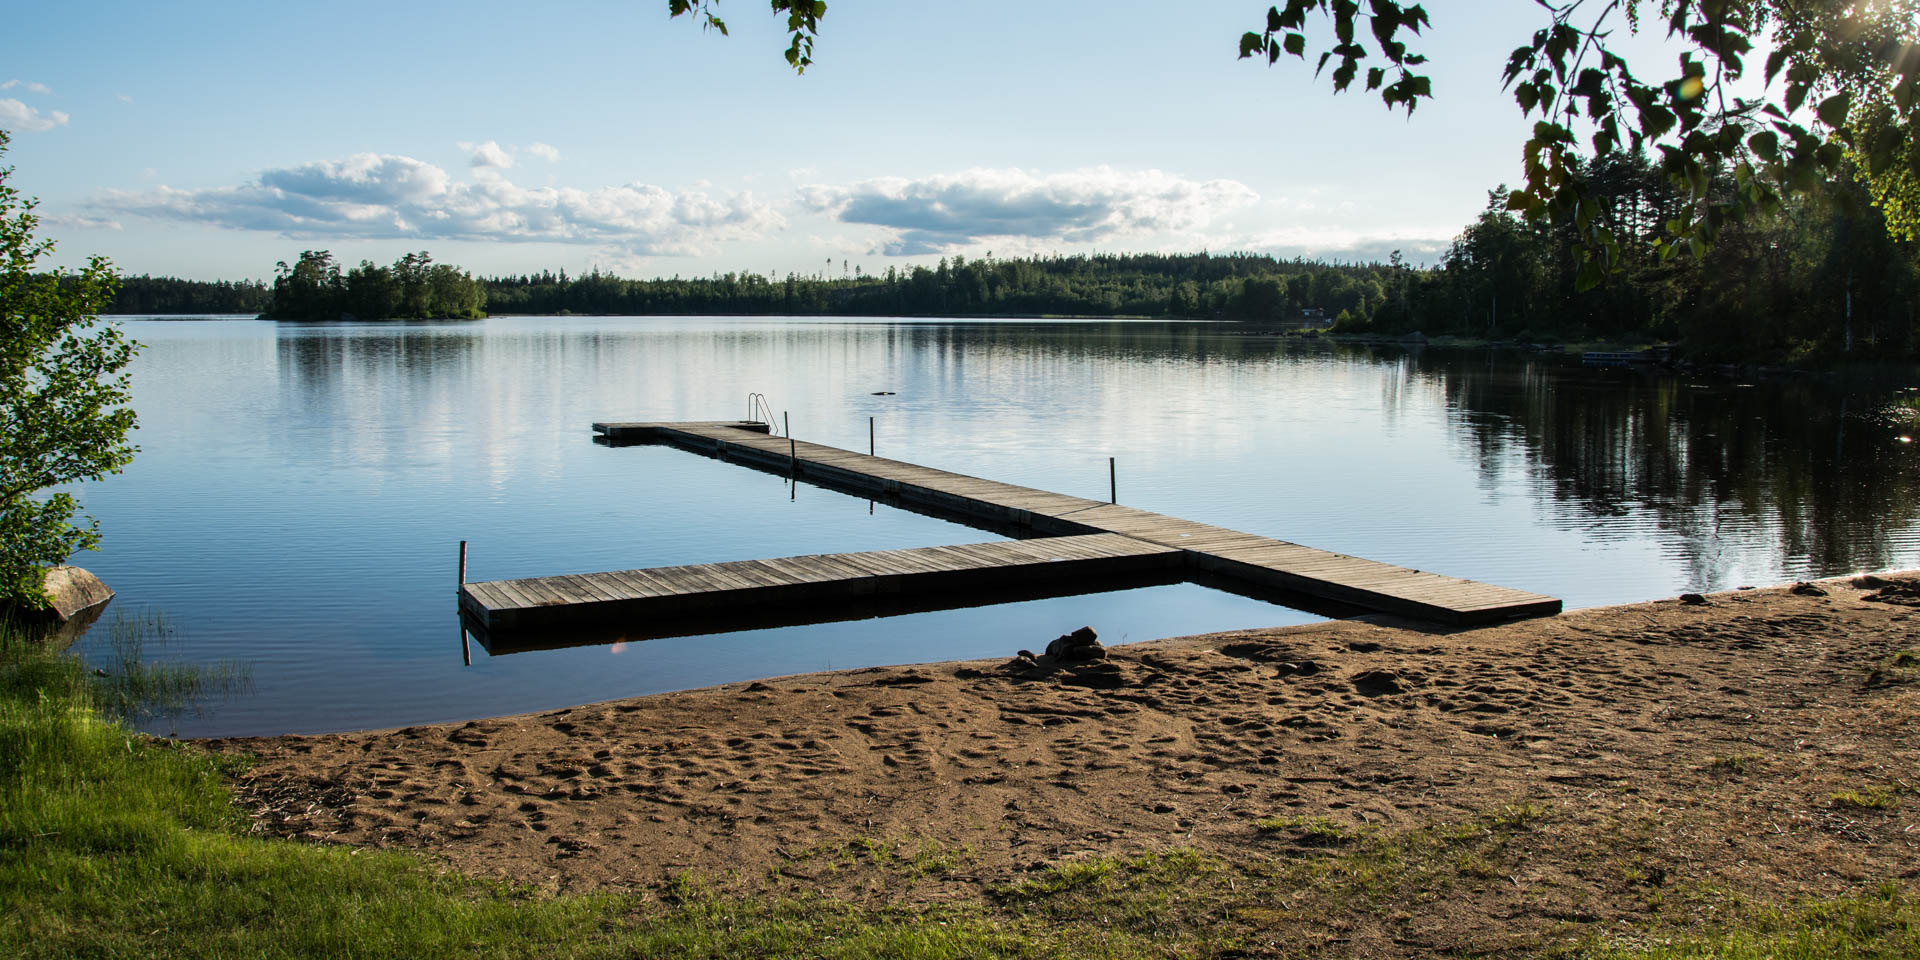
<point>131,688</point>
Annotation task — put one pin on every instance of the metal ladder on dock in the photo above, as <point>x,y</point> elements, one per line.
<point>756,405</point>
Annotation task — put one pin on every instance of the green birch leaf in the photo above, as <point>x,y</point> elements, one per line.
<point>1833,110</point>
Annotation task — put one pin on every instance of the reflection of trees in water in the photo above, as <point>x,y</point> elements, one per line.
<point>954,345</point>
<point>1131,341</point>
<point>317,359</point>
<point>1725,470</point>
<point>1799,475</point>
<point>335,383</point>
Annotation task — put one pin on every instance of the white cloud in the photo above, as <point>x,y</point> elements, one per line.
<point>1339,243</point>
<point>123,98</point>
<point>76,222</point>
<point>952,211</point>
<point>488,154</point>
<point>545,151</point>
<point>382,196</point>
<point>15,115</point>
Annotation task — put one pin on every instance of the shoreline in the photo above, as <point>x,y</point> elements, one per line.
<point>1760,742</point>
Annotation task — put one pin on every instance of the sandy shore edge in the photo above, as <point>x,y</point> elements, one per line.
<point>1710,738</point>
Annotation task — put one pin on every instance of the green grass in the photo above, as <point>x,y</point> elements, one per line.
<point>1178,903</point>
<point>1901,668</point>
<point>1883,925</point>
<point>1879,796</point>
<point>1737,762</point>
<point>1380,871</point>
<point>1192,903</point>
<point>1320,831</point>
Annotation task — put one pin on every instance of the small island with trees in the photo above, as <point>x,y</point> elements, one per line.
<point>415,288</point>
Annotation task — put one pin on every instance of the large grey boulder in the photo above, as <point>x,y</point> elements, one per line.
<point>77,595</point>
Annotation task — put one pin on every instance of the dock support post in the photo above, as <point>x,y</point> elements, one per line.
<point>869,436</point>
<point>463,563</point>
<point>793,453</point>
<point>1113,483</point>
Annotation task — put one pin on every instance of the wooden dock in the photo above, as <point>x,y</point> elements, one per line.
<point>1078,538</point>
<point>674,591</point>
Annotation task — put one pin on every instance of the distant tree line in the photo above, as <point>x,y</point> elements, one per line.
<point>1236,286</point>
<point>172,295</point>
<point>414,288</point>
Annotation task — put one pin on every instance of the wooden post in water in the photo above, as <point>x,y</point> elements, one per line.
<point>869,436</point>
<point>1113,483</point>
<point>793,453</point>
<point>466,654</point>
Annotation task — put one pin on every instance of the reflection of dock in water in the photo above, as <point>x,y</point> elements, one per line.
<point>1081,546</point>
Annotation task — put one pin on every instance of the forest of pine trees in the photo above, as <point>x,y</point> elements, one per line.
<point>1200,286</point>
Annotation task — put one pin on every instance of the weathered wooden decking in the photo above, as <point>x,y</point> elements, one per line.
<point>674,591</point>
<point>1081,537</point>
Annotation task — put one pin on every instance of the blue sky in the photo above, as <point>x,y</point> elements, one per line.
<point>211,139</point>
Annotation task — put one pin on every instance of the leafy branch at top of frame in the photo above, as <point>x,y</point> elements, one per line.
<point>803,24</point>
<point>1858,64</point>
<point>1286,32</point>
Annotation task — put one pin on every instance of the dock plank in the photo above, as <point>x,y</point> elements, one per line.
<point>673,590</point>
<point>539,593</point>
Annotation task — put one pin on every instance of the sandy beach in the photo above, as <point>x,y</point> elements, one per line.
<point>1756,741</point>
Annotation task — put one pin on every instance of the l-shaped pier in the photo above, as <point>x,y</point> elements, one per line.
<point>1074,539</point>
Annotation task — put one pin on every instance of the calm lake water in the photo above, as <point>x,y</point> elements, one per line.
<point>301,490</point>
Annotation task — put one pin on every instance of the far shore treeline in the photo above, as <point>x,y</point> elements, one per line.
<point>1820,280</point>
